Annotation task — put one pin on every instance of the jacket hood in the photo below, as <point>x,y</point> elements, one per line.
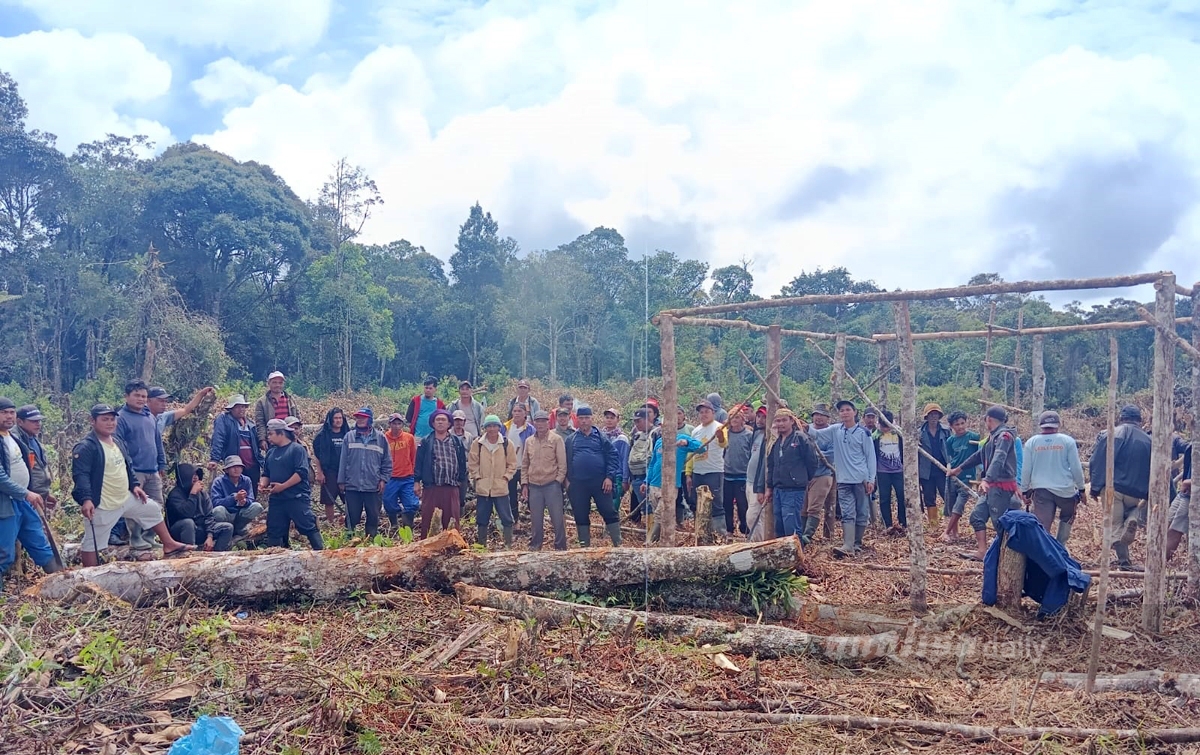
<point>329,419</point>
<point>715,400</point>
<point>183,475</point>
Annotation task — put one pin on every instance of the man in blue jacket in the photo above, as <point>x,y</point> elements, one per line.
<point>591,471</point>
<point>232,496</point>
<point>234,434</point>
<point>365,468</point>
<point>18,519</point>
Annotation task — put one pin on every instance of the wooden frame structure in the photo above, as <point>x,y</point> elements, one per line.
<point>1166,340</point>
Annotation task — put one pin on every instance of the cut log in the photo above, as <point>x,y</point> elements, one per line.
<point>704,514</point>
<point>1159,682</point>
<point>762,640</point>
<point>257,578</point>
<point>1010,577</point>
<point>588,569</point>
<point>666,329</point>
<point>1163,422</point>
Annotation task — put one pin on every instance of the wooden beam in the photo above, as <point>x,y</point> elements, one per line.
<point>839,367</point>
<point>1017,370</point>
<point>1049,330</point>
<point>885,366</point>
<point>987,354</point>
<point>666,517</point>
<point>918,582</point>
<point>1193,537</point>
<point>1039,374</point>
<point>1162,424</point>
<point>999,366</point>
<point>956,292</point>
<point>709,322</point>
<point>1185,291</point>
<point>1016,409</point>
<point>774,367</point>
<point>1109,459</point>
<point>1170,333</point>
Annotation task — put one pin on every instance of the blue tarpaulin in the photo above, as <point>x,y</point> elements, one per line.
<point>1050,572</point>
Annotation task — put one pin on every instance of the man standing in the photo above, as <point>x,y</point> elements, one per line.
<point>138,430</point>
<point>518,430</point>
<point>399,500</point>
<point>275,404</point>
<point>563,419</point>
<point>821,497</point>
<point>190,512</point>
<point>999,484</point>
<point>961,444</point>
<point>327,456</point>
<point>591,470</point>
<point>756,474</point>
<point>854,457</point>
<point>472,410</point>
<point>232,496</point>
<point>658,522</point>
<point>491,464</point>
<point>19,521</point>
<point>1178,515</point>
<point>235,435</point>
<point>422,407</point>
<point>459,429</point>
<point>567,401</point>
<point>364,471</point>
<point>791,464</point>
<point>28,432</point>
<point>1131,479</point>
<point>523,398</point>
<point>871,419</point>
<point>107,490</point>
<point>285,479</point>
<point>543,472</point>
<point>889,470</point>
<point>719,412</point>
<point>441,474</point>
<point>740,441</point>
<point>1052,476</point>
<point>708,465</point>
<point>612,430</point>
<point>641,447</point>
<point>685,498</point>
<point>933,480</point>
<point>157,398</point>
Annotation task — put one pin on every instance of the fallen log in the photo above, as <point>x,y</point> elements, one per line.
<point>257,578</point>
<point>875,723</point>
<point>529,725</point>
<point>1158,682</point>
<point>763,640</point>
<point>591,568</point>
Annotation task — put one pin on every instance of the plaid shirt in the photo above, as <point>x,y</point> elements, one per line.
<point>445,461</point>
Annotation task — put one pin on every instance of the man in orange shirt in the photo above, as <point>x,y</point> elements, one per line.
<point>399,500</point>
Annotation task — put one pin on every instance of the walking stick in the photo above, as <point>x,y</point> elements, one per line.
<point>50,535</point>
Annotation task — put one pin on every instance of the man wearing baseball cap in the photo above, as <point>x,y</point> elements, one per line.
<point>287,480</point>
<point>1052,476</point>
<point>708,465</point>
<point>591,470</point>
<point>641,447</point>
<point>157,398</point>
<point>820,501</point>
<point>274,404</point>
<point>19,521</point>
<point>999,485</point>
<point>399,498</point>
<point>458,428</point>
<point>543,472</point>
<point>612,430</point>
<point>1131,479</point>
<point>531,404</point>
<point>29,432</point>
<point>364,471</point>
<point>235,435</point>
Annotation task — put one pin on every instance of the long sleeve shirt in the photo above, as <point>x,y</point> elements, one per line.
<point>139,432</point>
<point>223,491</point>
<point>544,460</point>
<point>1052,463</point>
<point>654,469</point>
<point>853,453</point>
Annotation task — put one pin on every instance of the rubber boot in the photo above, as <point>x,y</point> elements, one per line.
<point>1064,532</point>
<point>1122,551</point>
<point>810,529</point>
<point>394,519</point>
<point>652,532</point>
<point>614,533</point>
<point>846,549</point>
<point>53,566</point>
<point>585,535</point>
<point>408,519</point>
<point>481,534</point>
<point>859,531</point>
<point>508,536</point>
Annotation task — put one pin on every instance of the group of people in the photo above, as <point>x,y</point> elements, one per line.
<point>809,471</point>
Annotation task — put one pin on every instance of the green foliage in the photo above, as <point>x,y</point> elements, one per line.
<point>766,589</point>
<point>368,742</point>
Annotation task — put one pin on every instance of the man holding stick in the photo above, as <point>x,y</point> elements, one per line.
<point>999,484</point>
<point>854,457</point>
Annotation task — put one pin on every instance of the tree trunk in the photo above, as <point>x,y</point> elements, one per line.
<point>592,568</point>
<point>839,367</point>
<point>704,515</point>
<point>883,367</point>
<point>1039,375</point>
<point>1010,579</point>
<point>912,431</point>
<point>1193,535</point>
<point>1157,682</point>
<point>1106,511</point>
<point>761,640</point>
<point>1016,373</point>
<point>774,367</point>
<point>986,391</point>
<point>666,517</point>
<point>1162,423</point>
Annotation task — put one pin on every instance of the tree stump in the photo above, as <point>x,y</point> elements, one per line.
<point>704,509</point>
<point>1010,581</point>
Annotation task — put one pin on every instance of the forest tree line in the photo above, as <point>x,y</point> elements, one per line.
<point>247,277</point>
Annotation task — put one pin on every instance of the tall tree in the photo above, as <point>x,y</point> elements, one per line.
<point>477,269</point>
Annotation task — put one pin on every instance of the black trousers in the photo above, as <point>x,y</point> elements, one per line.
<point>635,498</point>
<point>583,494</point>
<point>359,502</point>
<point>281,514</point>
<point>889,483</point>
<point>735,500</point>
<point>932,487</point>
<point>514,489</point>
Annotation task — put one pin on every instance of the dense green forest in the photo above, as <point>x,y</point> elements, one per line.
<point>247,276</point>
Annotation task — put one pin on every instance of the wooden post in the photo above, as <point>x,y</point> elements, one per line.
<point>912,429</point>
<point>986,389</point>
<point>1039,375</point>
<point>1010,576</point>
<point>1017,369</point>
<point>774,357</point>
<point>1162,425</point>
<point>839,366</point>
<point>1106,517</point>
<point>883,367</point>
<point>1193,537</point>
<point>670,400</point>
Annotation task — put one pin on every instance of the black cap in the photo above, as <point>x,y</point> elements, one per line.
<point>871,412</point>
<point>641,414</point>
<point>100,410</point>
<point>845,402</point>
<point>6,403</point>
<point>583,411</point>
<point>997,413</point>
<point>29,413</point>
<point>157,392</point>
<point>465,384</point>
<point>1129,413</point>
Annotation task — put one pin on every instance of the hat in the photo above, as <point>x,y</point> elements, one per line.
<point>788,414</point>
<point>871,411</point>
<point>1049,419</point>
<point>395,417</point>
<point>1130,413</point>
<point>6,403</point>
<point>157,392</point>
<point>233,461</point>
<point>99,410</point>
<point>292,420</point>
<point>492,419</point>
<point>821,409</point>
<point>522,383</point>
<point>641,414</point>
<point>237,400</point>
<point>933,407</point>
<point>29,413</point>
<point>541,414</point>
<point>465,384</point>
<point>652,402</point>
<point>431,380</point>
<point>845,402</point>
<point>584,411</point>
<point>273,375</point>
<point>562,411</point>
<point>438,413</point>
<point>459,414</point>
<point>997,413</point>
<point>366,412</point>
<point>704,404</point>
<point>761,410</point>
<point>613,412</point>
<point>277,424</point>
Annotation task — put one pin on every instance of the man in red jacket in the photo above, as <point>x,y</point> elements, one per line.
<point>421,409</point>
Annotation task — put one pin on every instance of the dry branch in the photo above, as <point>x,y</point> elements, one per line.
<point>529,725</point>
<point>1156,681</point>
<point>999,366</point>
<point>1169,333</point>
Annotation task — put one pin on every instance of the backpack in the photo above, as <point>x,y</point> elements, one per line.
<point>639,453</point>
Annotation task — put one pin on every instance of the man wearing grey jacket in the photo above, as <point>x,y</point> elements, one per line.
<point>1052,475</point>
<point>365,469</point>
<point>854,458</point>
<point>999,485</point>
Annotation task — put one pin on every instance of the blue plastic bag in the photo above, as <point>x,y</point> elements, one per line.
<point>210,735</point>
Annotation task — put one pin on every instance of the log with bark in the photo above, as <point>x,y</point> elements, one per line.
<point>1158,682</point>
<point>762,640</point>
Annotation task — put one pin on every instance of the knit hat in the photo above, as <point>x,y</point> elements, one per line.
<point>997,413</point>
<point>492,419</point>
<point>439,413</point>
<point>1130,413</point>
<point>933,407</point>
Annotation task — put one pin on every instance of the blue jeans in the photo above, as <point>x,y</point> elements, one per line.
<point>789,502</point>
<point>398,496</point>
<point>25,526</point>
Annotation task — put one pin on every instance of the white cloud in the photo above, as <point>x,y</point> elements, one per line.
<point>78,87</point>
<point>257,26</point>
<point>228,81</point>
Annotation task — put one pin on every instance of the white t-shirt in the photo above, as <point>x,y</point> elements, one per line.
<point>514,437</point>
<point>17,471</point>
<point>712,458</point>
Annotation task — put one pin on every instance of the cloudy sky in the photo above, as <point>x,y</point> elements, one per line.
<point>915,142</point>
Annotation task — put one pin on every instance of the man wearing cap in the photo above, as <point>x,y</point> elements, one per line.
<point>399,500</point>
<point>491,464</point>
<point>820,501</point>
<point>791,464</point>
<point>190,512</point>
<point>523,398</point>
<point>364,472</point>
<point>1052,476</point>
<point>107,489</point>
<point>961,444</point>
<point>157,398</point>
<point>458,428</point>
<point>854,459</point>
<point>563,423</point>
<point>518,430</point>
<point>740,440</point>
<point>28,432</point>
<point>1131,478</point>
<point>999,485</point>
<point>708,465</point>
<point>235,435</point>
<point>19,521</point>
<point>441,474</point>
<point>274,404</point>
<point>871,419</point>
<point>232,495</point>
<point>641,447</point>
<point>138,430</point>
<point>612,430</point>
<point>421,408</point>
<point>934,435</point>
<point>592,466</point>
<point>543,472</point>
<point>756,477</point>
<point>286,480</point>
<point>685,497</point>
<point>472,410</point>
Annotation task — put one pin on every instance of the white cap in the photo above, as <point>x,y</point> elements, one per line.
<point>273,375</point>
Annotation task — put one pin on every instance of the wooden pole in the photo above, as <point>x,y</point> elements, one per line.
<point>1109,463</point>
<point>1193,536</point>
<point>912,428</point>
<point>1162,425</point>
<point>1017,370</point>
<point>1050,330</point>
<point>1016,409</point>
<point>986,390</point>
<point>884,369</point>
<point>1170,333</point>
<point>666,517</point>
<point>774,366</point>
<point>1039,375</point>
<point>957,292</point>
<point>706,322</point>
<point>839,366</point>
